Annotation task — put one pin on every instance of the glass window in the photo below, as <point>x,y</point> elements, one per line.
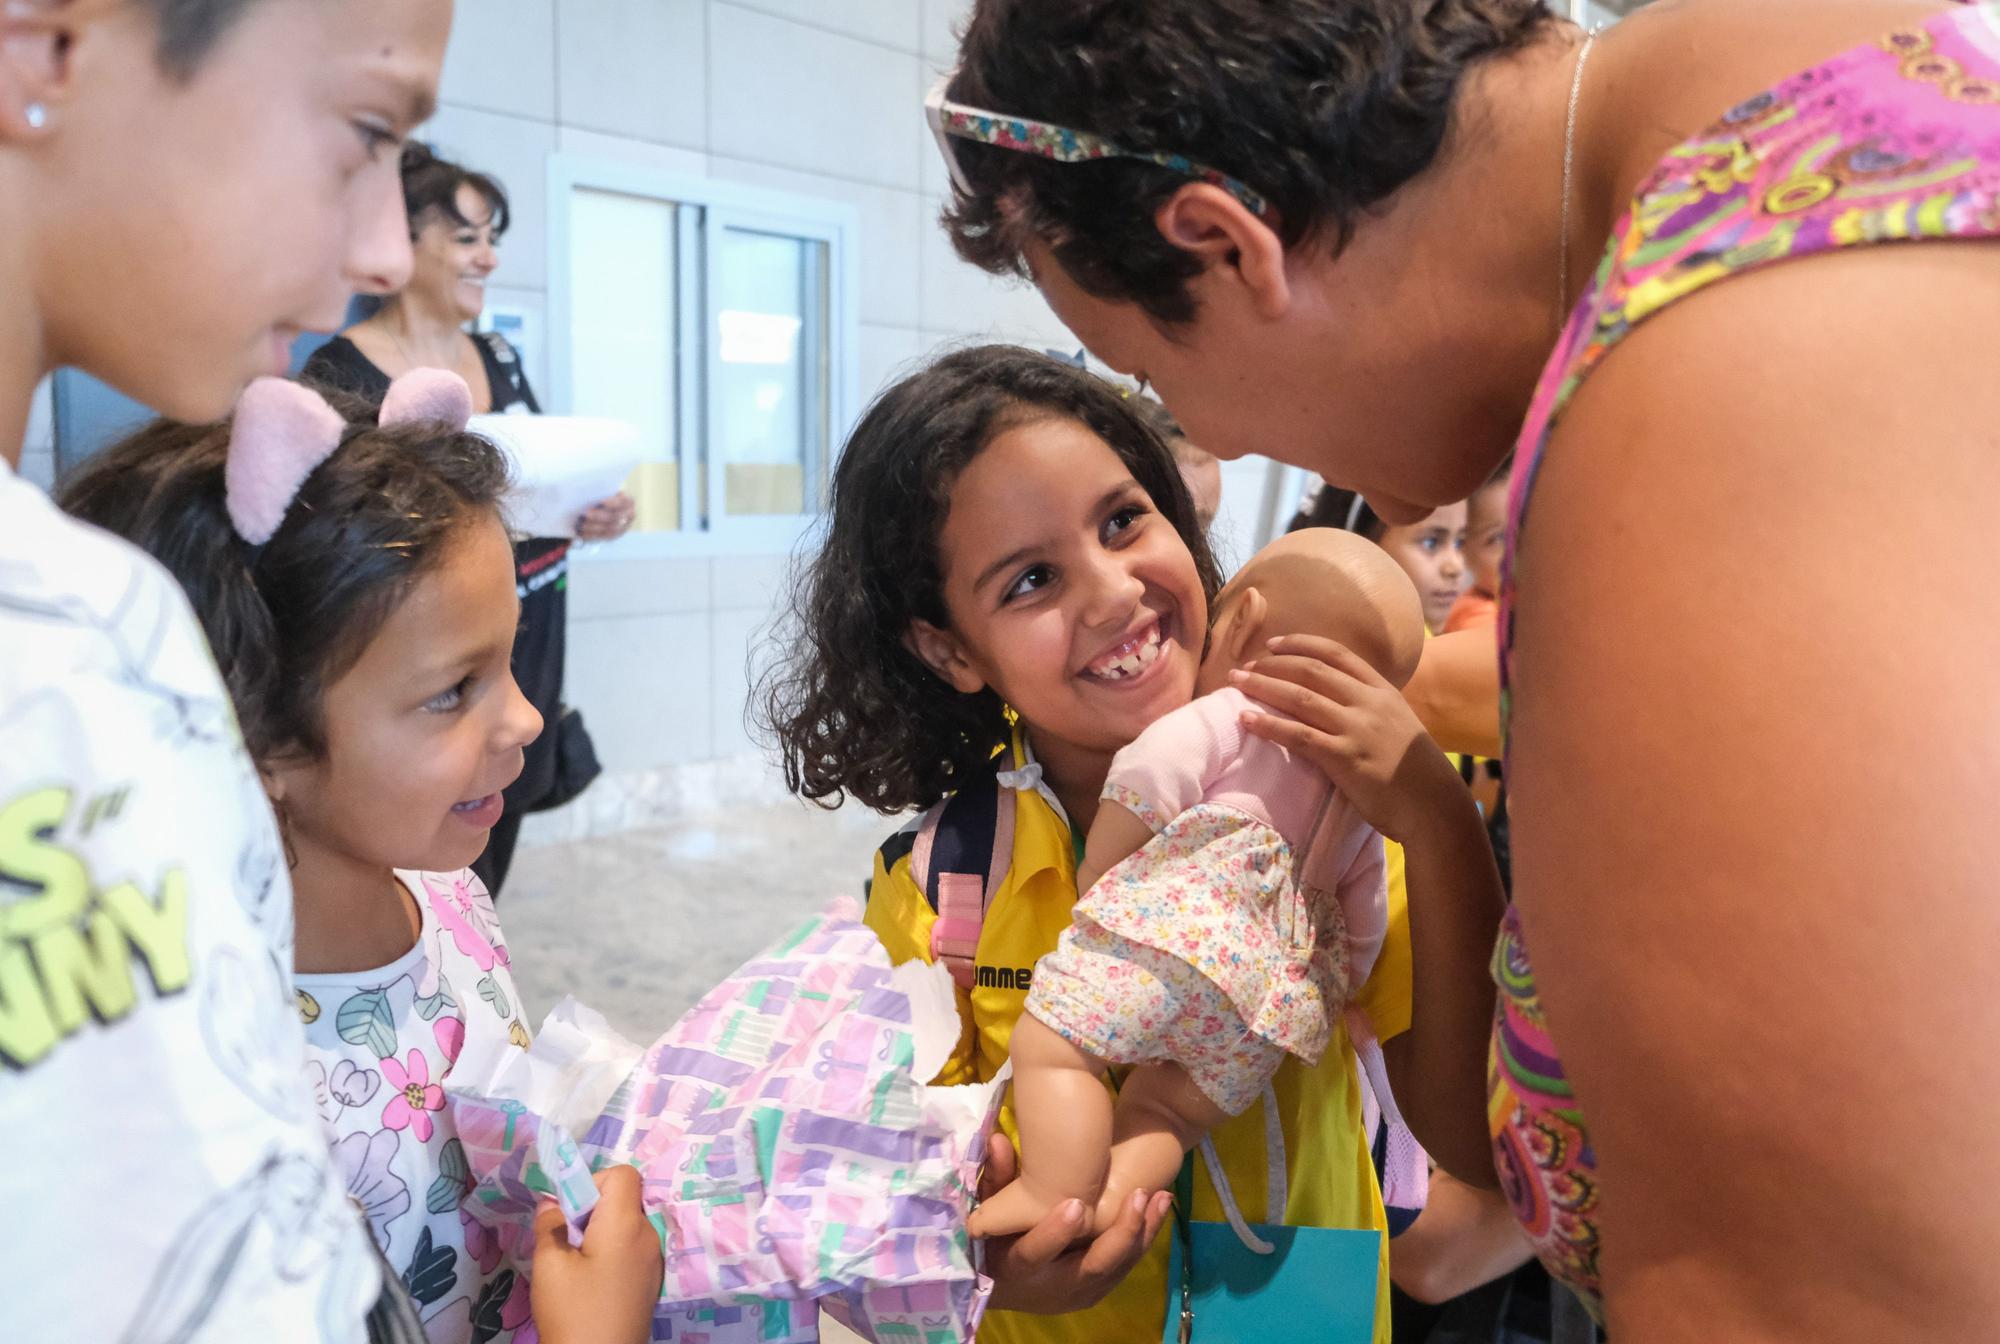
<point>624,311</point>
<point>720,320</point>
<point>767,423</point>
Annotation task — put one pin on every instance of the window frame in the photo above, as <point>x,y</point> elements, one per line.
<point>706,206</point>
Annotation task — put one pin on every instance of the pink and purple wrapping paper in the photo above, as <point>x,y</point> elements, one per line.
<point>789,1154</point>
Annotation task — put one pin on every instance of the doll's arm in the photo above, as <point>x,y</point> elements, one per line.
<point>1064,1115</point>
<point>1161,1114</point>
<point>1115,836</point>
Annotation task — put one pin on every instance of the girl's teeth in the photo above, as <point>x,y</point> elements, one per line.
<point>1137,661</point>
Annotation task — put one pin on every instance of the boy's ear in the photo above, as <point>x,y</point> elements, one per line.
<point>38,39</point>
<point>940,651</point>
<point>1238,629</point>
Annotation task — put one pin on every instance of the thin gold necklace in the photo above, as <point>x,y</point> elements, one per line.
<point>1569,177</point>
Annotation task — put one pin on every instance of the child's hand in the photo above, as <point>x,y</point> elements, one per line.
<point>1355,727</point>
<point>1042,1270</point>
<point>604,1291</point>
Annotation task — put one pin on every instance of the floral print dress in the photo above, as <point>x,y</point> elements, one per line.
<point>1241,931</point>
<point>380,1045</point>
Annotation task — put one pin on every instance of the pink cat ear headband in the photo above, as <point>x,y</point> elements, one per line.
<point>284,430</point>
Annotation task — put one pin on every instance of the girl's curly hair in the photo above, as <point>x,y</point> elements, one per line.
<point>854,712</point>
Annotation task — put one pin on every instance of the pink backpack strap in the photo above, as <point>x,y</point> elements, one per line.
<point>961,916</point>
<point>963,849</point>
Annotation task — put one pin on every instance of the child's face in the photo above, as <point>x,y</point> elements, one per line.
<point>1432,552</point>
<point>426,728</point>
<point>1069,593</point>
<point>196,226</point>
<point>1486,536</point>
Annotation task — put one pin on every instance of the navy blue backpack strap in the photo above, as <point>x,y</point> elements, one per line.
<point>963,849</point>
<point>962,839</point>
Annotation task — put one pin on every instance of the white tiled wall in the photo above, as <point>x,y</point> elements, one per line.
<point>809,98</point>
<point>632,67</point>
<point>499,58</point>
<point>817,97</point>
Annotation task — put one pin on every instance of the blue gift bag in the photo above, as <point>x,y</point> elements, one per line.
<point>1314,1283</point>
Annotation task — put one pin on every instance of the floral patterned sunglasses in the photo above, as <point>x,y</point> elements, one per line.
<point>1046,140</point>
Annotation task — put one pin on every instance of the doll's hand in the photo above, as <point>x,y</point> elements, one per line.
<point>604,1291</point>
<point>1355,727</point>
<point>1042,1270</point>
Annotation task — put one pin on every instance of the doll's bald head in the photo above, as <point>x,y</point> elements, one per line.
<point>1319,581</point>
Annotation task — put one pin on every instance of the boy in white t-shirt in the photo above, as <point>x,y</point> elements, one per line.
<point>145,953</point>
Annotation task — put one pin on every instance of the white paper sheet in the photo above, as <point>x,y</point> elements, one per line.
<point>576,1063</point>
<point>561,464</point>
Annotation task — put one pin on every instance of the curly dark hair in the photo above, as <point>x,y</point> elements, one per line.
<point>1325,107</point>
<point>430,187</point>
<point>854,712</point>
<point>288,618</point>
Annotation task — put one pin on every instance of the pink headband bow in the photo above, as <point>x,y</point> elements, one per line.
<point>284,430</point>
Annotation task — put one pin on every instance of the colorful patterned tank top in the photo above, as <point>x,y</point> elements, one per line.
<point>1895,141</point>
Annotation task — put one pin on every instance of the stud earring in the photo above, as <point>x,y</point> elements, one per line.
<point>37,116</point>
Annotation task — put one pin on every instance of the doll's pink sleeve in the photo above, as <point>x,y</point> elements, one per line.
<point>1363,895</point>
<point>1173,764</point>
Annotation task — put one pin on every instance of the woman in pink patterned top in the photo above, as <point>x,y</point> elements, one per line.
<point>1233,899</point>
<point>1725,274</point>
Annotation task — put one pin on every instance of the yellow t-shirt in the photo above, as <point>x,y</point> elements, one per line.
<point>1331,1182</point>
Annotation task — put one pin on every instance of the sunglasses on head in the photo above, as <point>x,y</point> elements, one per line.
<point>955,121</point>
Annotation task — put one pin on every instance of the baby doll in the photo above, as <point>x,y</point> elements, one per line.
<point>1241,903</point>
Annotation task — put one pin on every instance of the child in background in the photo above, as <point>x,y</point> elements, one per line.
<point>1005,531</point>
<point>1200,470</point>
<point>355,581</point>
<point>1232,903</point>
<point>1485,543</point>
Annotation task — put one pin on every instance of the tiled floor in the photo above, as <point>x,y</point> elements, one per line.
<point>639,925</point>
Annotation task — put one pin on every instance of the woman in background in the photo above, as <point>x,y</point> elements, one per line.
<point>457,218</point>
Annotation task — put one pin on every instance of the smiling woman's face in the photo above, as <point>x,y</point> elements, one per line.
<point>453,260</point>
<point>1069,593</point>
